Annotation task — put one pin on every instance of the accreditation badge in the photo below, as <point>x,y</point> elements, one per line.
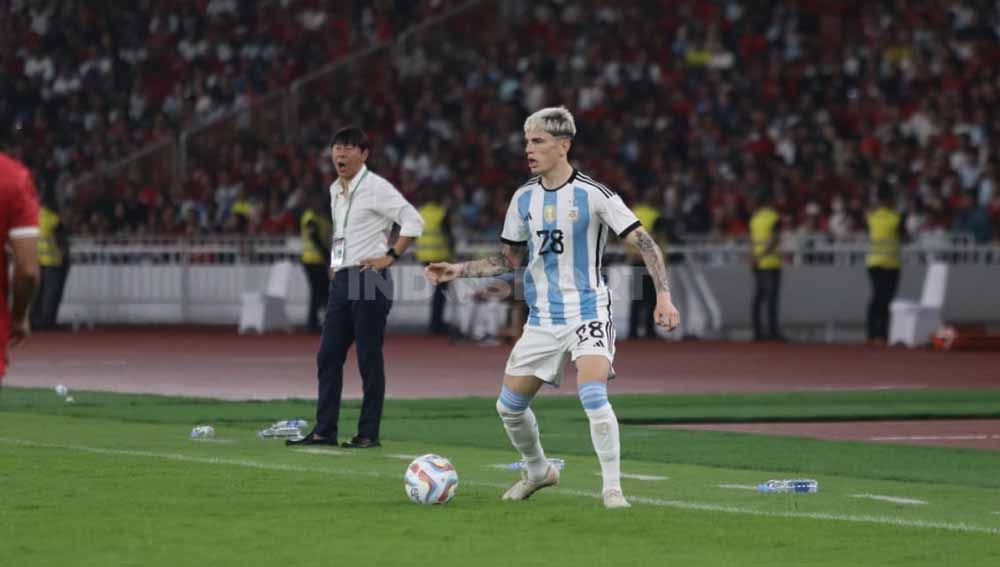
<point>337,253</point>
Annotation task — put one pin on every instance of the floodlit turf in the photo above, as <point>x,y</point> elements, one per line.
<point>115,480</point>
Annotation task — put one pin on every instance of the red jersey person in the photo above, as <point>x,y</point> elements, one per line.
<point>19,230</point>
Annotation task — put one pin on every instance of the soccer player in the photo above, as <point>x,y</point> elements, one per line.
<point>561,217</point>
<point>19,227</point>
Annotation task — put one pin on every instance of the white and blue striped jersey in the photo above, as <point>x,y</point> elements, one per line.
<point>566,230</point>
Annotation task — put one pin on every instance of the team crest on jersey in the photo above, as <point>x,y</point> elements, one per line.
<point>574,214</point>
<point>549,213</point>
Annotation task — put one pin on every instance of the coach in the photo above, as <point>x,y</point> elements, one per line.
<point>365,208</point>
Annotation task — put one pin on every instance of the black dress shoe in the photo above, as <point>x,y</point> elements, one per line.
<point>311,439</point>
<point>358,442</point>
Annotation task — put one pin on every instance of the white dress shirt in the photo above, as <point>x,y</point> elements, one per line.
<point>375,205</point>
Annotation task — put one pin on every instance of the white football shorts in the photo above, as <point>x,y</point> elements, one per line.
<point>542,351</point>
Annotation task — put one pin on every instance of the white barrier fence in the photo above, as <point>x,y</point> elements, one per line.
<point>172,281</point>
<point>200,281</point>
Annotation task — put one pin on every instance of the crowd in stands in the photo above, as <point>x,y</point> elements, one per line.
<point>692,106</point>
<point>84,84</point>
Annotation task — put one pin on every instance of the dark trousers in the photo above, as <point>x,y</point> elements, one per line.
<point>643,307</point>
<point>767,285</point>
<point>356,312</point>
<point>45,310</point>
<point>885,281</point>
<point>318,276</point>
<point>438,326</point>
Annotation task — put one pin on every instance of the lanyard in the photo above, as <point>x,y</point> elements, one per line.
<point>350,201</point>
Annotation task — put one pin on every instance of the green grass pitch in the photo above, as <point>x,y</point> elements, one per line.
<point>115,480</point>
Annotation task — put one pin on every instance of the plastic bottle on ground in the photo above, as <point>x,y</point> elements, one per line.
<point>797,485</point>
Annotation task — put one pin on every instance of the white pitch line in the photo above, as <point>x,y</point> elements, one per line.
<point>679,504</point>
<point>401,456</point>
<point>318,451</point>
<point>646,477</point>
<point>650,477</point>
<point>893,499</point>
<point>188,458</point>
<point>738,486</point>
<point>971,437</point>
<point>864,519</point>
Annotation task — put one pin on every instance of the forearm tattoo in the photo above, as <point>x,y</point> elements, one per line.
<point>653,258</point>
<point>493,265</point>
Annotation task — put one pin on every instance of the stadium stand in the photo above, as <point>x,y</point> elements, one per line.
<point>702,103</point>
<point>84,84</point>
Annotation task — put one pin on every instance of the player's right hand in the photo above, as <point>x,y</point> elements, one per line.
<point>665,314</point>
<point>441,272</point>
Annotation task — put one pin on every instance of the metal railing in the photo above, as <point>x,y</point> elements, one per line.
<point>348,69</point>
<point>173,250</point>
<point>156,164</point>
<point>956,249</point>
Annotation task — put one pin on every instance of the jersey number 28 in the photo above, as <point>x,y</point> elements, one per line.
<point>552,241</point>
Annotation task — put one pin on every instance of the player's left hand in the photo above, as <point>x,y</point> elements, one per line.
<point>19,331</point>
<point>377,264</point>
<point>666,315</point>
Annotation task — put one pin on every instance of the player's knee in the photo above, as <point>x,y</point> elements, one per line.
<point>511,403</point>
<point>593,396</point>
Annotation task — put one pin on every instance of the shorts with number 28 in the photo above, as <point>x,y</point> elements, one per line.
<point>542,350</point>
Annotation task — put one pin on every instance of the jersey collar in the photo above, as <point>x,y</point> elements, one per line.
<point>572,178</point>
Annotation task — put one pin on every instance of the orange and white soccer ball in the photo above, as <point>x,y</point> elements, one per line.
<point>431,479</point>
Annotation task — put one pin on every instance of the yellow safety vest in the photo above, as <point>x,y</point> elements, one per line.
<point>883,235</point>
<point>242,208</point>
<point>433,243</point>
<point>648,216</point>
<point>762,226</point>
<point>49,253</point>
<point>312,254</point>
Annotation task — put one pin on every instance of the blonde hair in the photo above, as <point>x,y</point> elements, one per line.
<point>555,120</point>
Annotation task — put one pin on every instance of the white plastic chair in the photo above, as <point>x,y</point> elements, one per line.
<point>263,311</point>
<point>913,323</point>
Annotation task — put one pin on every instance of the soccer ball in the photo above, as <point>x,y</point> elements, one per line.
<point>430,479</point>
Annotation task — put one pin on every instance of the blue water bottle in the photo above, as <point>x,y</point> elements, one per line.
<point>800,485</point>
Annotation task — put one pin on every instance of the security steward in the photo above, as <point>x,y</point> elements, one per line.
<point>765,235</point>
<point>53,257</point>
<point>886,233</point>
<point>365,207</point>
<point>436,245</point>
<point>643,303</point>
<point>314,227</point>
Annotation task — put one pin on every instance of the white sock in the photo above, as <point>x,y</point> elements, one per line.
<point>605,436</point>
<point>522,429</point>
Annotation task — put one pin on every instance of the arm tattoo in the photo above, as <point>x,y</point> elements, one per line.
<point>653,258</point>
<point>492,265</point>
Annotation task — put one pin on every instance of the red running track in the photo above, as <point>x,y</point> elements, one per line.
<point>216,362</point>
